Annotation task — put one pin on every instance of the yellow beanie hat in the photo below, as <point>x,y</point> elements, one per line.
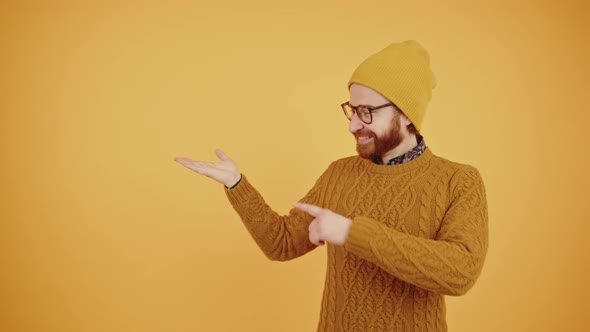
<point>401,73</point>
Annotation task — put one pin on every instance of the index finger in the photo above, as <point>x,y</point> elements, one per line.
<point>311,209</point>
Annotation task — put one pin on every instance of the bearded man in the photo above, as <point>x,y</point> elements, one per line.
<point>403,226</point>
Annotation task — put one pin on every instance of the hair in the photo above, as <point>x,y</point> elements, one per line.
<point>412,130</point>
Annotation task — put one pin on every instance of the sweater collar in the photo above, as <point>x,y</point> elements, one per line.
<point>418,163</point>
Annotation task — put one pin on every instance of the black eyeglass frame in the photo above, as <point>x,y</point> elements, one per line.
<point>369,108</point>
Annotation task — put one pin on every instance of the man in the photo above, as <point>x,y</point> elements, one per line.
<point>404,227</point>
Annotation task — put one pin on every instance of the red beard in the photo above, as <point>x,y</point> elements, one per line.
<point>379,145</point>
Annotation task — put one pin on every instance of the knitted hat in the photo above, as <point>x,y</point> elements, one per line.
<point>401,73</point>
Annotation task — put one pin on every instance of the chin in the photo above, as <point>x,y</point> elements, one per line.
<point>366,152</point>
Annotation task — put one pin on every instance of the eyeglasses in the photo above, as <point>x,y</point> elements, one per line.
<point>364,112</point>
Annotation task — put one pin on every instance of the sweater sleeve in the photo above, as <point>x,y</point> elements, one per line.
<point>448,264</point>
<point>280,238</point>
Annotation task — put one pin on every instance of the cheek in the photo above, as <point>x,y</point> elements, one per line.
<point>378,131</point>
<point>381,125</point>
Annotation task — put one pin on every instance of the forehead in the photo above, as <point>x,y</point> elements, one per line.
<point>363,95</point>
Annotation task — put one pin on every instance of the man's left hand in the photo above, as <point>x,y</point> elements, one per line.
<point>327,225</point>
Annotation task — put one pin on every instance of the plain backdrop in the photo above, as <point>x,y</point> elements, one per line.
<point>100,230</point>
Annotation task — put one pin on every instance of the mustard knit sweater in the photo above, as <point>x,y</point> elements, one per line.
<point>419,232</point>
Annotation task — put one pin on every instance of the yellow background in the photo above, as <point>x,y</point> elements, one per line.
<point>102,231</point>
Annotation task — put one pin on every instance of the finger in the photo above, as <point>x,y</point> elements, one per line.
<point>184,161</point>
<point>192,164</point>
<point>204,168</point>
<point>314,233</point>
<point>311,209</point>
<point>312,226</point>
<point>222,156</point>
<point>204,164</point>
<point>313,238</point>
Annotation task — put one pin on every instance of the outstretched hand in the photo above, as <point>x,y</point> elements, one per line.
<point>224,171</point>
<point>327,225</point>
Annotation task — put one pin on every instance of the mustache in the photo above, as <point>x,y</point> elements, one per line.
<point>363,133</point>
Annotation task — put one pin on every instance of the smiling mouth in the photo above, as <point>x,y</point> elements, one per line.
<point>364,139</point>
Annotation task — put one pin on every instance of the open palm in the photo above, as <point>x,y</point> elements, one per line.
<point>224,171</point>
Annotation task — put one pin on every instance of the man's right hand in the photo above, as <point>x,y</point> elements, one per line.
<point>225,171</point>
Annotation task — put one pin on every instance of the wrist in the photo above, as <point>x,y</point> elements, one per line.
<point>234,183</point>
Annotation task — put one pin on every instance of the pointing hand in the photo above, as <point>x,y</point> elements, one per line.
<point>327,225</point>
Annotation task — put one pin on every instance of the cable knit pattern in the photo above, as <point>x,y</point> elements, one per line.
<point>419,232</point>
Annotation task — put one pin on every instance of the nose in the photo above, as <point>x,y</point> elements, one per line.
<point>355,124</point>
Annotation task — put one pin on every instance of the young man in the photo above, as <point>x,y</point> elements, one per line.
<point>404,227</point>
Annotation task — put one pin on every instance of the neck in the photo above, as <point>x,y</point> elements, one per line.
<point>406,145</point>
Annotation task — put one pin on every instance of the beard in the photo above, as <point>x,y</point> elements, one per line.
<point>379,145</point>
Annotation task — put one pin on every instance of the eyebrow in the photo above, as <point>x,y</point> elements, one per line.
<point>366,105</point>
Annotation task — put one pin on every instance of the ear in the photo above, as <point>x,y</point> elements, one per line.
<point>404,120</point>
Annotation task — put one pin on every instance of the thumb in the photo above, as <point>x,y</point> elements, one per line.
<point>222,156</point>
